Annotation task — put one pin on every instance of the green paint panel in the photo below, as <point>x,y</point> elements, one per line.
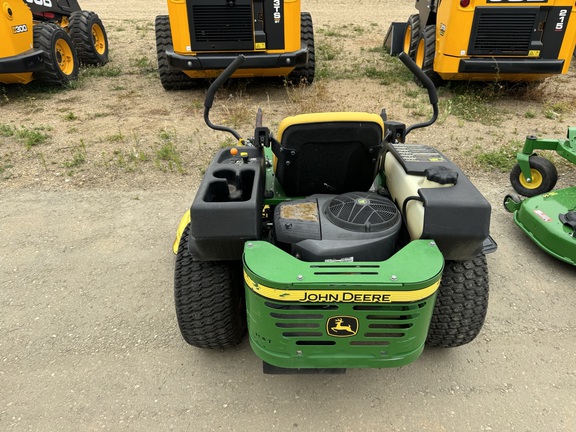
<point>333,330</point>
<point>538,218</point>
<point>418,265</point>
<point>308,335</point>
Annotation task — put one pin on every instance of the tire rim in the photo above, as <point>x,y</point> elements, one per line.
<point>98,39</point>
<point>536,179</point>
<point>420,54</point>
<point>64,57</point>
<point>407,39</point>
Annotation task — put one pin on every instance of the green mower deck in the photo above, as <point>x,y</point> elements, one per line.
<point>539,218</point>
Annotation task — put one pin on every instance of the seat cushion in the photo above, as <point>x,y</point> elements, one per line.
<point>328,152</point>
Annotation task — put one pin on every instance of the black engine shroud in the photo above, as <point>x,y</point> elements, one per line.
<point>355,226</point>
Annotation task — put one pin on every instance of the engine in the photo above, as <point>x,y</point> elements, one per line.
<point>355,226</point>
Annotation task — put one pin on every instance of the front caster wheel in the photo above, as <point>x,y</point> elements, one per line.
<point>543,177</point>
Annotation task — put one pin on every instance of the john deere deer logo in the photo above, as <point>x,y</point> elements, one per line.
<point>342,326</point>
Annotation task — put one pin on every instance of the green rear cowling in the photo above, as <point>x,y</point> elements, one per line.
<point>340,315</point>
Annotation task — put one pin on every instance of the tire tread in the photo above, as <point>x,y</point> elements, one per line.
<point>170,79</point>
<point>81,23</point>
<point>208,298</point>
<point>461,303</point>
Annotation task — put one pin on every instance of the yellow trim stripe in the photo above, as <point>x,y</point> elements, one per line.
<point>340,296</point>
<point>181,227</point>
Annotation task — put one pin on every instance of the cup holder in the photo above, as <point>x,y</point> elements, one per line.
<point>229,185</point>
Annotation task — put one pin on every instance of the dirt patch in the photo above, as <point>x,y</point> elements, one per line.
<point>119,128</point>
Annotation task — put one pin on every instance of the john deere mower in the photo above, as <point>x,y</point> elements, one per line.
<point>334,242</point>
<point>47,40</point>
<point>547,216</point>
<point>488,40</point>
<point>200,38</point>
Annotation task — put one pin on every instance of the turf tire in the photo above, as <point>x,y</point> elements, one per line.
<point>461,303</point>
<point>209,298</point>
<point>89,37</point>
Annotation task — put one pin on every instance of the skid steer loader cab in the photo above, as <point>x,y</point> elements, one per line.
<point>521,40</point>
<point>53,8</point>
<point>200,38</point>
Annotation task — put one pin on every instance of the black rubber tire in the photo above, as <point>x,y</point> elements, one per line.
<point>305,74</point>
<point>89,37</point>
<point>171,79</point>
<point>209,298</point>
<point>425,52</point>
<point>50,38</point>
<point>544,175</point>
<point>461,303</point>
<point>512,198</point>
<point>412,35</point>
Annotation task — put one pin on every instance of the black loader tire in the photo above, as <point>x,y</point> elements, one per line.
<point>544,177</point>
<point>305,74</point>
<point>425,52</point>
<point>412,35</point>
<point>171,79</point>
<point>209,297</point>
<point>89,37</point>
<point>461,303</point>
<point>60,57</point>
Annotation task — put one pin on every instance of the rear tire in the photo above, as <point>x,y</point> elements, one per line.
<point>412,35</point>
<point>60,57</point>
<point>461,303</point>
<point>209,298</point>
<point>305,74</point>
<point>89,37</point>
<point>544,177</point>
<point>171,79</point>
<point>425,52</point>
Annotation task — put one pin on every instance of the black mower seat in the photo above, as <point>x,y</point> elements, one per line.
<point>330,153</point>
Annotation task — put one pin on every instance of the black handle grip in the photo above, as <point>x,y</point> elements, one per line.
<point>221,78</point>
<point>419,73</point>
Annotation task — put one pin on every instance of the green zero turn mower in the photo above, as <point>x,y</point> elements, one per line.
<point>334,242</point>
<point>547,216</point>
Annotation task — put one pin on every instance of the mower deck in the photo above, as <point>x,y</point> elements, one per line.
<point>539,218</point>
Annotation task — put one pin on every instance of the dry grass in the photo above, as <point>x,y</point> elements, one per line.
<point>116,125</point>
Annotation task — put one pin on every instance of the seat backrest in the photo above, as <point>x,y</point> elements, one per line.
<point>328,152</point>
